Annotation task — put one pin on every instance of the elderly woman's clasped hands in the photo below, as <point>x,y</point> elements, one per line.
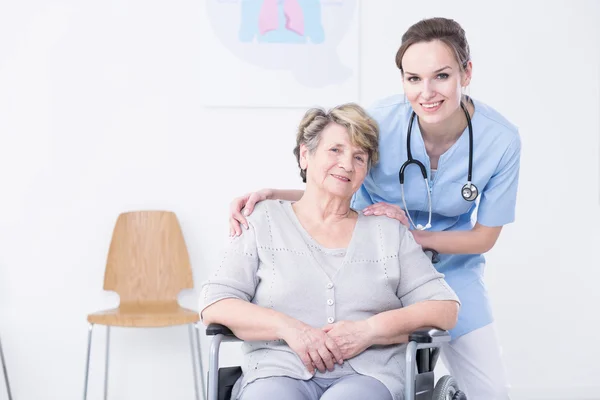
<point>334,343</point>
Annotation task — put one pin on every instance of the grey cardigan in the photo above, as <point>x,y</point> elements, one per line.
<point>272,265</point>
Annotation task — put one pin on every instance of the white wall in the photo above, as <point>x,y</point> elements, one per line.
<point>100,113</point>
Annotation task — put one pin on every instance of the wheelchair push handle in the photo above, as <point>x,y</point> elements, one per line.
<point>433,255</point>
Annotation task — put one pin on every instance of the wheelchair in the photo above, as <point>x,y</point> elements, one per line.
<point>422,353</point>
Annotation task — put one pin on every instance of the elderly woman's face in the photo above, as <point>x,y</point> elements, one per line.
<point>336,166</point>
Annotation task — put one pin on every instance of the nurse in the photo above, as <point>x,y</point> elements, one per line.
<point>435,66</point>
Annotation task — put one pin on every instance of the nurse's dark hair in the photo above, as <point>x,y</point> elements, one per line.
<point>445,30</point>
<point>363,130</point>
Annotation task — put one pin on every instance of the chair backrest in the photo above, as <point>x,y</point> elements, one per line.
<point>148,260</point>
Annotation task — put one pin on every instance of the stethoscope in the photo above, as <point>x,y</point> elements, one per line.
<point>469,191</point>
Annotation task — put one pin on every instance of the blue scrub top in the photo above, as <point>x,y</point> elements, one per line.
<point>496,160</point>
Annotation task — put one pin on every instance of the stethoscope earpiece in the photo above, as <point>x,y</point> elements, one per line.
<point>470,192</point>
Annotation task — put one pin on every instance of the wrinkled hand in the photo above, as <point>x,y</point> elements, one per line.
<point>390,210</point>
<point>352,337</point>
<point>247,203</point>
<point>314,347</point>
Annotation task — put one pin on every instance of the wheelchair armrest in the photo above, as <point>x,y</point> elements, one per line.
<point>218,329</point>
<point>429,335</point>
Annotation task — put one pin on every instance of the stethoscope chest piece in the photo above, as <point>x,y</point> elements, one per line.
<point>469,192</point>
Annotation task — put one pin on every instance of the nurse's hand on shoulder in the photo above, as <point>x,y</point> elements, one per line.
<point>390,210</point>
<point>246,202</point>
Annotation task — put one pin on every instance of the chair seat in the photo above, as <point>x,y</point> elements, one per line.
<point>145,316</point>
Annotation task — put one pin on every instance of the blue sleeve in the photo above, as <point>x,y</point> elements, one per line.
<point>499,197</point>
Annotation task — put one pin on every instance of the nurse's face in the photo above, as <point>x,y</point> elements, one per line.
<point>433,80</point>
<point>337,167</point>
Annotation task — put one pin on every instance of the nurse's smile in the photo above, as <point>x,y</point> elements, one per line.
<point>432,107</point>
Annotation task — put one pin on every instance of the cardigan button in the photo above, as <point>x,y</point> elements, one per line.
<point>330,320</point>
<point>329,285</point>
<point>329,302</point>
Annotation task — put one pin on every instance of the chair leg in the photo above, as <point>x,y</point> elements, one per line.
<point>200,363</point>
<point>87,363</point>
<point>5,372</point>
<point>106,362</point>
<point>193,354</point>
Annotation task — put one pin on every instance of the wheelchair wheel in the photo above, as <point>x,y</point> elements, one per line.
<point>447,389</point>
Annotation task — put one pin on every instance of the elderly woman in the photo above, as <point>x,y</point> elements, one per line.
<point>323,296</point>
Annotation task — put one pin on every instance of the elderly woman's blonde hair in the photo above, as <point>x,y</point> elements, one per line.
<point>363,130</point>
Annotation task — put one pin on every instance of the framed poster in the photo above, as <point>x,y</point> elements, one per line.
<point>280,53</point>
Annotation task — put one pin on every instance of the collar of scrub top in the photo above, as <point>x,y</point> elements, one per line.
<point>469,190</point>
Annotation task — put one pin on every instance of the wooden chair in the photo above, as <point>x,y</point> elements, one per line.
<point>148,265</point>
<point>3,362</point>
